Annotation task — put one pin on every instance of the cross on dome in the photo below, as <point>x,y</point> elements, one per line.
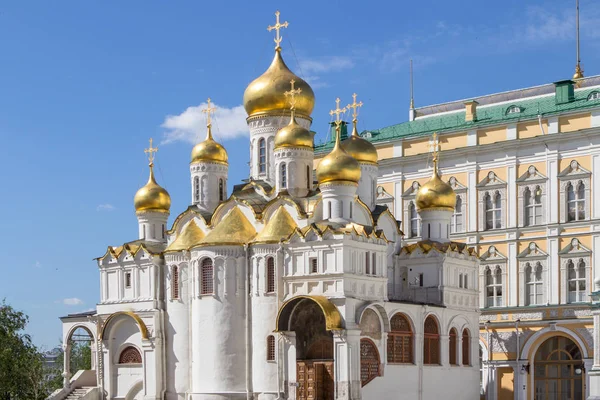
<point>208,110</point>
<point>292,94</point>
<point>337,113</point>
<point>434,146</point>
<point>355,106</point>
<point>277,27</point>
<point>150,152</point>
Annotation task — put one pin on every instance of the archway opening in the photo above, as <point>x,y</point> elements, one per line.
<point>79,349</point>
<point>558,370</point>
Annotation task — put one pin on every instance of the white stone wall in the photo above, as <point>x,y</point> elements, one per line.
<point>367,185</point>
<point>205,184</point>
<point>299,170</point>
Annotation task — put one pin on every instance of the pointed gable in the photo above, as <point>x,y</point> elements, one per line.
<point>574,248</point>
<point>491,181</point>
<point>279,227</point>
<point>533,252</point>
<point>573,170</point>
<point>233,229</point>
<point>532,175</point>
<point>492,255</point>
<point>190,236</point>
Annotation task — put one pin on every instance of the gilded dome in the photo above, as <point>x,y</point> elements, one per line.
<point>209,150</point>
<point>293,135</point>
<point>338,166</point>
<point>436,194</point>
<point>152,197</point>
<point>361,149</point>
<point>266,93</point>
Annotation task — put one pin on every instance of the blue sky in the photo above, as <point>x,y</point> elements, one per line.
<point>83,85</point>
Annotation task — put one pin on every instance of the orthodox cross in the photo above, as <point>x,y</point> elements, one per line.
<point>434,145</point>
<point>355,106</point>
<point>277,27</point>
<point>208,110</point>
<point>337,112</point>
<point>150,151</point>
<point>292,94</point>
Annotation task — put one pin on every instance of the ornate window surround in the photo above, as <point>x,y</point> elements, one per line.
<point>574,251</point>
<point>490,185</point>
<point>407,197</point>
<point>492,259</point>
<point>531,179</point>
<point>574,174</point>
<point>461,192</point>
<point>532,255</point>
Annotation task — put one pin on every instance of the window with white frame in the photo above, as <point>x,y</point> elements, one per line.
<point>196,188</point>
<point>513,110</point>
<point>457,222</point>
<point>532,202</point>
<point>493,286</point>
<point>493,210</point>
<point>283,176</point>
<point>415,220</point>
<point>262,156</point>
<point>534,284</point>
<point>575,201</point>
<point>576,280</point>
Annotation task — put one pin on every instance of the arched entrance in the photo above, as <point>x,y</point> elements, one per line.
<point>558,370</point>
<point>312,318</point>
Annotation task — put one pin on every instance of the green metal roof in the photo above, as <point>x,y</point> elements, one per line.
<point>486,116</point>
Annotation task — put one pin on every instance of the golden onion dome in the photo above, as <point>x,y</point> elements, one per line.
<point>361,149</point>
<point>152,196</point>
<point>436,194</point>
<point>293,135</point>
<point>209,150</point>
<point>265,94</point>
<point>338,166</point>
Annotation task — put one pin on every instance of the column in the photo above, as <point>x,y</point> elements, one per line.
<point>346,356</point>
<point>289,363</point>
<point>512,273</point>
<point>595,198</point>
<point>472,193</point>
<point>67,364</point>
<point>511,195</point>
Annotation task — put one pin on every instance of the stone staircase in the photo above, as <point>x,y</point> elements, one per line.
<point>79,393</point>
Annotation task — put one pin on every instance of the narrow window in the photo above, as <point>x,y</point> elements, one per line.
<point>452,345</point>
<point>221,190</point>
<point>351,210</point>
<point>431,342</point>
<point>421,280</point>
<point>373,264</point>
<point>206,274</point>
<point>262,156</point>
<point>143,231</point>
<point>127,279</point>
<point>308,177</point>
<point>576,281</point>
<point>313,265</point>
<point>460,280</point>
<point>270,275</point>
<point>493,211</point>
<point>367,263</point>
<point>533,277</point>
<point>283,176</point>
<point>270,348</point>
<point>466,346</point>
<point>163,231</point>
<point>456,224</point>
<point>465,285</point>
<point>175,282</point>
<point>196,189</point>
<point>400,340</point>
<point>329,209</point>
<point>493,283</point>
<point>414,220</point>
<point>576,202</point>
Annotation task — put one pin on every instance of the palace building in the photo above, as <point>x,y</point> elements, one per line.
<point>296,288</point>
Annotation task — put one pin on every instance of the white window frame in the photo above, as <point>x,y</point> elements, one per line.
<point>577,202</point>
<point>496,210</point>
<point>491,185</point>
<point>573,175</point>
<point>409,197</point>
<point>414,219</point>
<point>497,300</point>
<point>578,295</point>
<point>534,283</point>
<point>458,216</point>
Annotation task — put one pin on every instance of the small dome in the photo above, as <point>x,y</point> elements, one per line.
<point>338,166</point>
<point>361,149</point>
<point>436,194</point>
<point>266,93</point>
<point>209,151</point>
<point>293,135</point>
<point>152,197</point>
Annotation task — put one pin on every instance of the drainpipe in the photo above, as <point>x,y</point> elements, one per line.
<point>279,336</point>
<point>247,326</point>
<point>487,384</point>
<point>517,357</point>
<point>540,122</point>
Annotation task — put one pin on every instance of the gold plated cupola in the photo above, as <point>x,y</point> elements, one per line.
<point>435,194</point>
<point>293,135</point>
<point>209,150</point>
<point>362,150</point>
<point>265,95</point>
<point>152,196</point>
<point>338,166</point>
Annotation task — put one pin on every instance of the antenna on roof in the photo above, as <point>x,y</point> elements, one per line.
<point>578,71</point>
<point>411,111</point>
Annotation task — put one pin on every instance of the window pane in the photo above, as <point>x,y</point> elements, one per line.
<point>498,216</point>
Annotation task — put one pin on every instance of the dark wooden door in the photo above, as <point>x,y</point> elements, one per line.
<point>315,380</point>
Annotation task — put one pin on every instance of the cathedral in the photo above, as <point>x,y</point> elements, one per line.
<point>296,285</point>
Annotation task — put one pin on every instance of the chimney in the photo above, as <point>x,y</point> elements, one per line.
<point>565,91</point>
<point>471,111</point>
<point>343,131</point>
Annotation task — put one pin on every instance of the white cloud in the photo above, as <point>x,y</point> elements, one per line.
<point>325,64</point>
<point>38,264</point>
<point>190,125</point>
<point>73,301</point>
<point>105,207</point>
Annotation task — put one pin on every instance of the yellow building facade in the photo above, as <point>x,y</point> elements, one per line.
<point>525,166</point>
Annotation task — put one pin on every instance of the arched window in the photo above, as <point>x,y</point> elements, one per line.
<point>369,361</point>
<point>308,180</point>
<point>270,275</point>
<point>576,281</point>
<point>594,96</point>
<point>535,285</point>
<point>130,355</point>
<point>466,346</point>
<point>465,282</point>
<point>367,263</point>
<point>400,340</point>
<point>513,110</point>
<point>221,190</point>
<point>262,156</point>
<point>206,274</point>
<point>283,176</point>
<point>452,346</point>
<point>373,264</point>
<point>533,206</point>
<point>414,220</point>
<point>175,282</point>
<point>196,189</point>
<point>329,209</point>
<point>493,210</point>
<point>431,342</point>
<point>575,202</point>
<point>270,348</point>
<point>493,286</point>
<point>456,224</point>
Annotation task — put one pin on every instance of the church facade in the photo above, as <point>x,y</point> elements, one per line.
<point>288,287</point>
